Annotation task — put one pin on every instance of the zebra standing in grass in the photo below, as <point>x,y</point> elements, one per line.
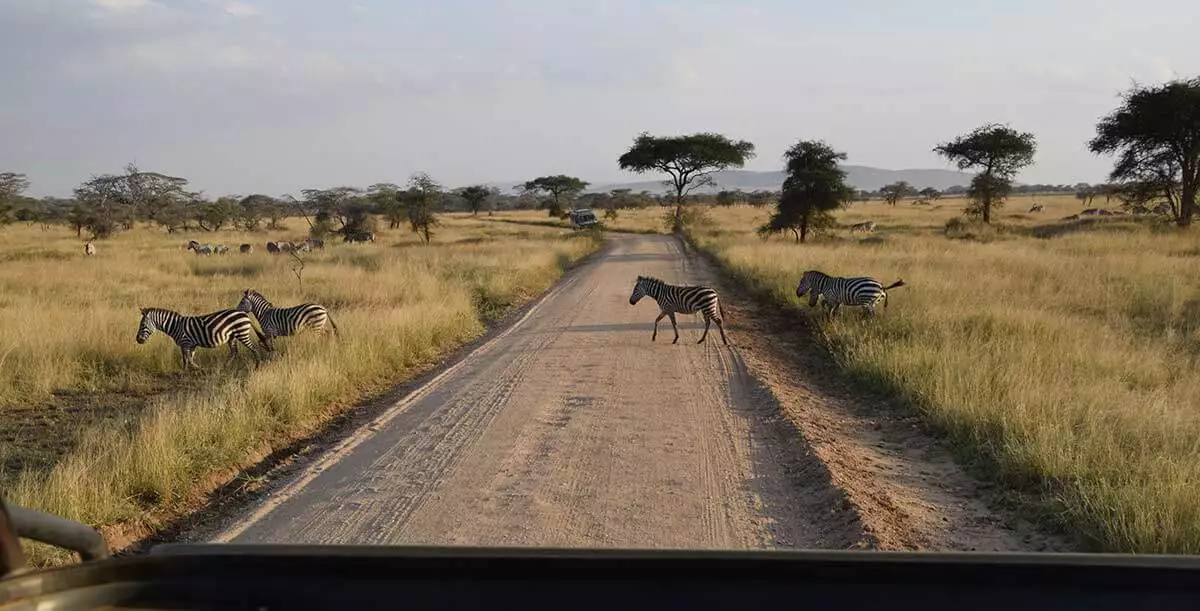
<point>89,249</point>
<point>680,300</point>
<point>837,292</point>
<point>280,322</point>
<point>867,227</point>
<point>203,331</point>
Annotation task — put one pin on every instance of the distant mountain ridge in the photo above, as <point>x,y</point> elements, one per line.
<point>861,177</point>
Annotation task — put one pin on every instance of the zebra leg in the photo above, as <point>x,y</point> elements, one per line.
<point>189,357</point>
<point>232,348</point>
<point>721,328</point>
<point>674,326</point>
<point>660,317</point>
<point>707,322</point>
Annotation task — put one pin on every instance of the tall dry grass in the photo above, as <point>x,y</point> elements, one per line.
<point>68,322</point>
<point>1066,365</point>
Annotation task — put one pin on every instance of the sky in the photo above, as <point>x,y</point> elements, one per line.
<point>273,96</point>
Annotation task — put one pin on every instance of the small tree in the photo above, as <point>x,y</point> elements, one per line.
<point>930,194</point>
<point>477,196</point>
<point>1085,196</point>
<point>815,185</point>
<point>423,195</point>
<point>389,202</point>
<point>896,191</point>
<point>999,152</point>
<point>558,187</point>
<point>690,161</point>
<point>1156,133</point>
<point>12,186</point>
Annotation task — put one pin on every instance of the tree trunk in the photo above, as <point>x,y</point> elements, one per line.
<point>987,208</point>
<point>678,210</point>
<point>1187,205</point>
<point>803,229</point>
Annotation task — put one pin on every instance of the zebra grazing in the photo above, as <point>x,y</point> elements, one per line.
<point>246,249</point>
<point>221,249</point>
<point>89,249</point>
<point>315,244</point>
<point>859,291</point>
<point>867,227</point>
<point>201,249</point>
<point>680,300</point>
<point>359,236</point>
<point>280,322</point>
<point>273,248</point>
<point>1036,208</point>
<point>203,331</point>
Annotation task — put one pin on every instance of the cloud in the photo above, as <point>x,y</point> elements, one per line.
<point>121,6</point>
<point>241,9</point>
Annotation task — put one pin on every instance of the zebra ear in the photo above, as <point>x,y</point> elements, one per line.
<point>144,310</point>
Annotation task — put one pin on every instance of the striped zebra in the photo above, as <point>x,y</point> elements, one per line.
<point>281,322</point>
<point>203,331</point>
<point>680,300</point>
<point>89,249</point>
<point>866,227</point>
<point>837,291</point>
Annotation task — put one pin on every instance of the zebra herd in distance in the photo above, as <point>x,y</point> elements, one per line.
<point>246,249</point>
<point>834,291</point>
<point>234,326</point>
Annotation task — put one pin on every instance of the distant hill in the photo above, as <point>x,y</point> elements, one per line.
<point>860,177</point>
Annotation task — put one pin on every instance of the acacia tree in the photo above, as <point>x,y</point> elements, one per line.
<point>896,191</point>
<point>689,160</point>
<point>1156,133</point>
<point>389,202</point>
<point>12,186</point>
<point>476,196</point>
<point>930,193</point>
<point>423,195</point>
<point>998,152</point>
<point>558,187</point>
<point>815,185</point>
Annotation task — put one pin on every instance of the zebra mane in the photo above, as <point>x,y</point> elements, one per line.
<point>257,295</point>
<point>152,310</point>
<point>650,279</point>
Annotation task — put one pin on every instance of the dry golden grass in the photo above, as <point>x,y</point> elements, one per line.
<point>1069,364</point>
<point>67,322</point>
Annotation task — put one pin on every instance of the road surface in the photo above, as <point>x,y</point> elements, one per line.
<point>572,429</point>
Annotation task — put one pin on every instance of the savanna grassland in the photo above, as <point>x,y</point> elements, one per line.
<point>1061,357</point>
<point>100,429</point>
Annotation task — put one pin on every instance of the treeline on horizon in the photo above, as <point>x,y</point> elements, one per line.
<point>104,205</point>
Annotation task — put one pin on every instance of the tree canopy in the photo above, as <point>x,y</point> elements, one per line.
<point>896,191</point>
<point>423,196</point>
<point>689,160</point>
<point>1155,133</point>
<point>558,187</point>
<point>815,186</point>
<point>998,152</point>
<point>476,196</point>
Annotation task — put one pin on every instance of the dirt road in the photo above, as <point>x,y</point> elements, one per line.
<point>572,428</point>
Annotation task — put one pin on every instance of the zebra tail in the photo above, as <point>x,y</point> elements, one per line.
<point>332,324</point>
<point>893,285</point>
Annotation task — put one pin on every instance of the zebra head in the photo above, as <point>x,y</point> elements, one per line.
<point>807,282</point>
<point>639,290</point>
<point>147,327</point>
<point>253,302</point>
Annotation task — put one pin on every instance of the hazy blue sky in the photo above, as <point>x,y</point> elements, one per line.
<point>277,95</point>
